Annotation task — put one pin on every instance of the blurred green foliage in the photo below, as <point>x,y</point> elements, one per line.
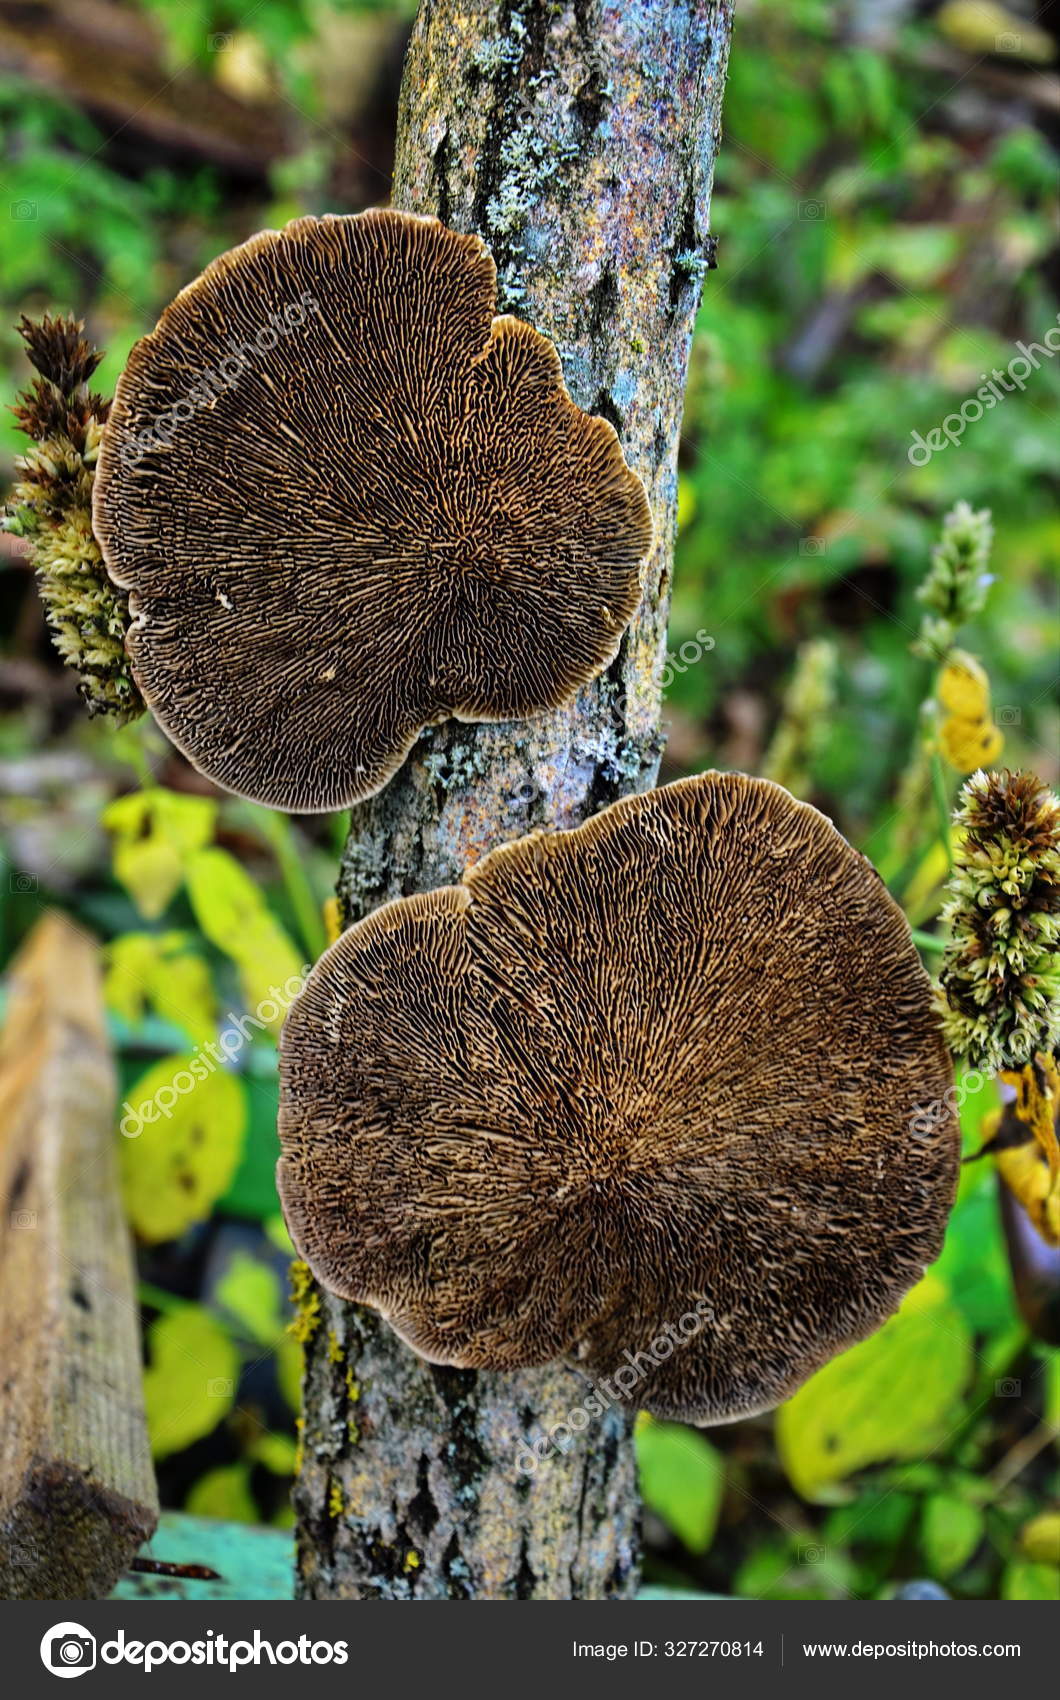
<point>878,252</point>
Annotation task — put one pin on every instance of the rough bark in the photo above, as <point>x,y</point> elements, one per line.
<point>579,141</point>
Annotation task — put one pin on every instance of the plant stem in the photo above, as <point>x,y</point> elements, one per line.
<point>927,941</point>
<point>276,828</point>
<point>943,804</point>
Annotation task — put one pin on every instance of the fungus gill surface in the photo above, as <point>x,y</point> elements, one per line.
<point>648,1093</point>
<point>348,502</point>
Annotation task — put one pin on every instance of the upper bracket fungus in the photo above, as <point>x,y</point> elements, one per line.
<point>347,502</point>
<point>666,1095</point>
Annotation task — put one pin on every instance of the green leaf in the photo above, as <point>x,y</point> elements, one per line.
<point>1024,1580</point>
<point>682,1479</point>
<point>277,1452</point>
<point>190,1380</point>
<point>290,1364</point>
<point>889,1397</point>
<point>950,1531</point>
<point>253,1189</point>
<point>224,1493</point>
<point>183,1127</point>
<point>250,1292</point>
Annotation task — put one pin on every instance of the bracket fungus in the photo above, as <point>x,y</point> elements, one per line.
<point>648,1095</point>
<point>348,502</point>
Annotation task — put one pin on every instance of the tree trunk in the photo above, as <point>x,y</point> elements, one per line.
<point>579,141</point>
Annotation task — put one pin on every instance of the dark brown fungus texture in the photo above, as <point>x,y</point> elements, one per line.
<point>665,1095</point>
<point>348,502</point>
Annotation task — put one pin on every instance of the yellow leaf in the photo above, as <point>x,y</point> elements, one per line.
<point>154,831</point>
<point>163,970</point>
<point>151,872</point>
<point>130,960</point>
<point>183,1125</point>
<point>190,1380</point>
<point>984,26</point>
<point>233,914</point>
<point>1040,1538</point>
<point>182,990</point>
<point>887,1398</point>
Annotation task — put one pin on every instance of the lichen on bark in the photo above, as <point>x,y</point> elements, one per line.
<point>579,140</point>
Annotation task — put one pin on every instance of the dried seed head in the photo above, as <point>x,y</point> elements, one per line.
<point>1000,976</point>
<point>51,506</point>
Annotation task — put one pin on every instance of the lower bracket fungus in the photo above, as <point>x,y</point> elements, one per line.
<point>348,501</point>
<point>670,1065</point>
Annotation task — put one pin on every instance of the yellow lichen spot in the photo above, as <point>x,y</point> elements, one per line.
<point>299,1450</point>
<point>353,1386</point>
<point>412,1560</point>
<point>334,1349</point>
<point>305,1296</point>
<point>335,1501</point>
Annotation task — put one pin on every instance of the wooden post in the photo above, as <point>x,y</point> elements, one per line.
<point>77,1487</point>
<point>579,141</point>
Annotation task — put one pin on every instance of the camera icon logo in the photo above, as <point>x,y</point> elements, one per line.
<point>68,1649</point>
